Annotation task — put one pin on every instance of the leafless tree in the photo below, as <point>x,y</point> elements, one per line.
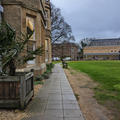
<point>83,43</point>
<point>61,30</point>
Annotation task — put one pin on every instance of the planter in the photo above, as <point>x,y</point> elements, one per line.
<point>16,91</point>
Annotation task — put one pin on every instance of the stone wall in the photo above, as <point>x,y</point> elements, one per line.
<point>12,15</point>
<point>28,3</point>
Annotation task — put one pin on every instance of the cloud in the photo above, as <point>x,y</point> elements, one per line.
<point>91,18</point>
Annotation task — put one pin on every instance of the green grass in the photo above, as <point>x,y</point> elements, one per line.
<point>55,62</point>
<point>106,73</point>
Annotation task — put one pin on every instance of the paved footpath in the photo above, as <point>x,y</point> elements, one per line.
<point>55,101</point>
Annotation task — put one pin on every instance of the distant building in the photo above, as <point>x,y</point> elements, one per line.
<point>103,49</point>
<point>66,50</point>
<point>31,15</point>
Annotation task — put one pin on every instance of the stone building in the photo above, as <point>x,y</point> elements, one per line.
<point>27,15</point>
<point>103,49</point>
<point>65,50</point>
<point>48,48</point>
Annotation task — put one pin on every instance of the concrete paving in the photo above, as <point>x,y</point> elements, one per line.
<point>55,101</point>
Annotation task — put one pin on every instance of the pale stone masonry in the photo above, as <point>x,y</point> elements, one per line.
<point>103,49</point>
<point>48,52</point>
<point>27,15</point>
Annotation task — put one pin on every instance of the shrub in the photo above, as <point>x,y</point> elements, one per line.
<point>39,78</point>
<point>49,67</point>
<point>45,75</point>
<point>11,48</point>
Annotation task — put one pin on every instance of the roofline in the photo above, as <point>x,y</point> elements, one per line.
<point>106,39</point>
<point>117,53</point>
<point>102,46</point>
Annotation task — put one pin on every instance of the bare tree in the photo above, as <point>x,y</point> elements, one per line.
<point>83,43</point>
<point>61,30</point>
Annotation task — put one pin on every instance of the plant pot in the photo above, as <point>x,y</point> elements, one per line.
<point>16,91</point>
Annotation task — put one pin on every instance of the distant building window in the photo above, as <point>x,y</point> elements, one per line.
<point>72,50</point>
<point>111,50</point>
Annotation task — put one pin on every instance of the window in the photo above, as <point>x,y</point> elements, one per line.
<point>72,50</point>
<point>31,47</point>
<point>46,51</point>
<point>1,11</point>
<point>30,26</point>
<point>1,8</point>
<point>46,14</point>
<point>0,17</point>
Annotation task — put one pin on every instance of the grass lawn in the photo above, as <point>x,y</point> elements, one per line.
<point>107,74</point>
<point>38,82</point>
<point>55,62</point>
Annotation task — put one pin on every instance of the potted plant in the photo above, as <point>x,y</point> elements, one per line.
<point>16,89</point>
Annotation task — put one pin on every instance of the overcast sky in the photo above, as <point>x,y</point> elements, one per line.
<point>91,18</point>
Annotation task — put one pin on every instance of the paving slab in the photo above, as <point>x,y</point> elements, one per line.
<point>55,101</point>
<point>70,106</point>
<point>72,113</point>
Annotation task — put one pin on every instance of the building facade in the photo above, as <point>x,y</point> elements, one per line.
<point>103,49</point>
<point>65,50</point>
<point>48,48</point>
<point>31,15</point>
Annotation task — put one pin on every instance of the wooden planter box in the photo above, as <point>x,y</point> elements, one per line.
<point>16,91</point>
